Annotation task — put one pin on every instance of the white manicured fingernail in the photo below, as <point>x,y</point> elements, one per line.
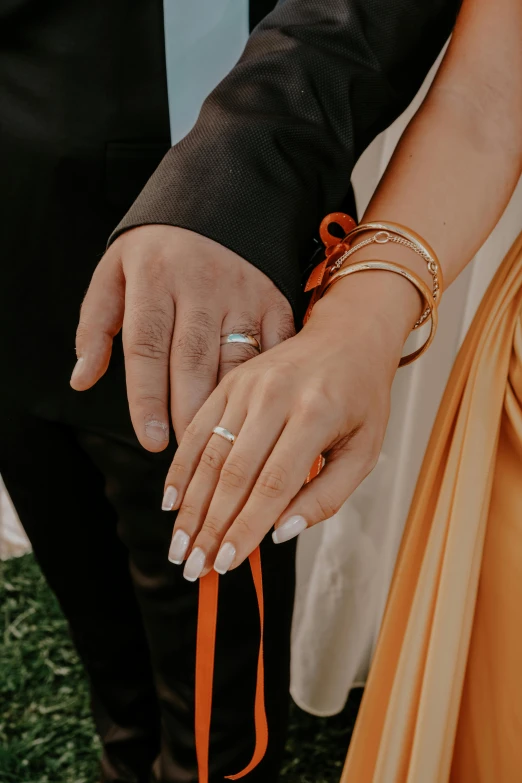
<point>157,430</point>
<point>194,565</point>
<point>78,369</point>
<point>289,529</point>
<point>178,547</point>
<point>169,498</point>
<point>225,558</point>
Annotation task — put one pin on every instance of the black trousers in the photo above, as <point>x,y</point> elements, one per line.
<point>83,104</point>
<point>89,499</point>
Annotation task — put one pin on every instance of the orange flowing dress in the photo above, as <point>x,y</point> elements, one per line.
<point>443,702</point>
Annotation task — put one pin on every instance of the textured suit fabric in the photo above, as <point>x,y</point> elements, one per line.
<point>83,123</point>
<point>276,141</point>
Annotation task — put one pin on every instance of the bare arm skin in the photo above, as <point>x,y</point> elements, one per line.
<point>458,162</point>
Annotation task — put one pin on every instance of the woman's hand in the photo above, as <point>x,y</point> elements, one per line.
<point>327,391</point>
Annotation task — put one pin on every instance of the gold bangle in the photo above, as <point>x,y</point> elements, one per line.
<point>389,266</point>
<point>394,232</point>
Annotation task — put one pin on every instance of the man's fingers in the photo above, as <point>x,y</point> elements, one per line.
<point>194,360</point>
<point>235,353</point>
<point>147,335</point>
<point>199,494</point>
<point>101,318</point>
<point>277,324</point>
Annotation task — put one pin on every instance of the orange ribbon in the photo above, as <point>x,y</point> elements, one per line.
<point>206,643</point>
<point>334,248</point>
<point>209,589</point>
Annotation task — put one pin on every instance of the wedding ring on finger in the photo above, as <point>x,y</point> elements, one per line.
<point>224,433</point>
<point>240,337</point>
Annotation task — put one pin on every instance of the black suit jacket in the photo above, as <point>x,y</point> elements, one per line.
<point>84,123</point>
<point>275,144</point>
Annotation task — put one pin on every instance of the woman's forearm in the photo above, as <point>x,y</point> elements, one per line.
<point>459,160</point>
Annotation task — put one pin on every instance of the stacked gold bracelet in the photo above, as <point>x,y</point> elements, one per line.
<point>334,267</point>
<point>393,232</point>
<point>389,266</point>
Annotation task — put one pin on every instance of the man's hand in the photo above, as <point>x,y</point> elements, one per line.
<point>175,294</point>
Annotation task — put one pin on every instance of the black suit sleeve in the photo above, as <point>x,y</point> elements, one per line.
<point>275,143</point>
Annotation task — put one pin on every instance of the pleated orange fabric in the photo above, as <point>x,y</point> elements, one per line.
<point>443,701</point>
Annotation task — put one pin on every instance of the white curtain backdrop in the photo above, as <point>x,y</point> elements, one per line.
<point>345,565</point>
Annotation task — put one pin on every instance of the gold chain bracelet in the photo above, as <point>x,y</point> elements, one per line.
<point>393,232</point>
<point>331,269</point>
<point>389,266</point>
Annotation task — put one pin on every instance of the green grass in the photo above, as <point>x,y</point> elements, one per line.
<point>46,732</point>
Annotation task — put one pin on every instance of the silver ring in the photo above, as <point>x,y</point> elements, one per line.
<point>239,337</point>
<point>224,433</point>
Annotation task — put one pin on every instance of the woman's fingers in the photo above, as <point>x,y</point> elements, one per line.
<point>234,484</point>
<point>101,318</point>
<point>240,490</point>
<point>278,480</point>
<point>190,449</point>
<point>322,498</point>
